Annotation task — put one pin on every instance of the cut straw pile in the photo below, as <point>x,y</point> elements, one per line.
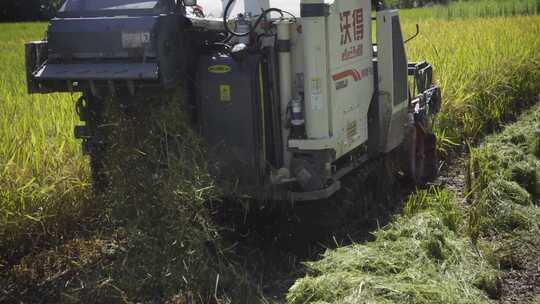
<point>416,259</point>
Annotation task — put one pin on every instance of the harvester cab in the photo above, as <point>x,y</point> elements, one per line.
<point>288,105</point>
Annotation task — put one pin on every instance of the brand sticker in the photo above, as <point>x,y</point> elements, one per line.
<point>219,69</point>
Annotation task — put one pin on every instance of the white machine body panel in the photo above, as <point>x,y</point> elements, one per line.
<point>338,74</point>
<point>351,70</point>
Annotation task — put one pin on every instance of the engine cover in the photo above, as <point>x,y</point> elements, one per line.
<point>231,110</point>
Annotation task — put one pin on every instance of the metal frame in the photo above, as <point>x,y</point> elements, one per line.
<point>120,12</point>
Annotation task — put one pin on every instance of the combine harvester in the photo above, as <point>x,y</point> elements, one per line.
<point>287,105</point>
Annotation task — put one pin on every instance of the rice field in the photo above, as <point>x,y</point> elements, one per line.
<point>474,9</point>
<point>43,175</point>
<point>488,68</point>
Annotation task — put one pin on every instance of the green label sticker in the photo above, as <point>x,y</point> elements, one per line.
<point>225,93</point>
<point>219,69</point>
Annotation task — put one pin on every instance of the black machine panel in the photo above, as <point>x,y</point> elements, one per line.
<point>400,63</point>
<point>231,106</point>
<point>143,47</point>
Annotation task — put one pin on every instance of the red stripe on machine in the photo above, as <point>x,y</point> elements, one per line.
<point>349,73</point>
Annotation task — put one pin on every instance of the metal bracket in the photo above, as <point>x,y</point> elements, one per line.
<point>312,144</point>
<point>315,195</point>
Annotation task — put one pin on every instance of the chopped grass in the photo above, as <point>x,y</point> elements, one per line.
<point>440,203</point>
<point>506,180</point>
<point>416,259</point>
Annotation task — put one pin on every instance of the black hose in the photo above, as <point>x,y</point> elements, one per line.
<point>259,19</point>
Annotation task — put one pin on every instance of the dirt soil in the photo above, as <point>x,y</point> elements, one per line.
<point>522,285</point>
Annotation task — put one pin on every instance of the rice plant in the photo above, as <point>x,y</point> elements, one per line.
<point>43,176</point>
<point>474,9</point>
<point>488,69</point>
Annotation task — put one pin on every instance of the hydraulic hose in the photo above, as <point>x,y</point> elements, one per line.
<point>257,22</point>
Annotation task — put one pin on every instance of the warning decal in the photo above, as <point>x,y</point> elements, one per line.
<point>225,93</point>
